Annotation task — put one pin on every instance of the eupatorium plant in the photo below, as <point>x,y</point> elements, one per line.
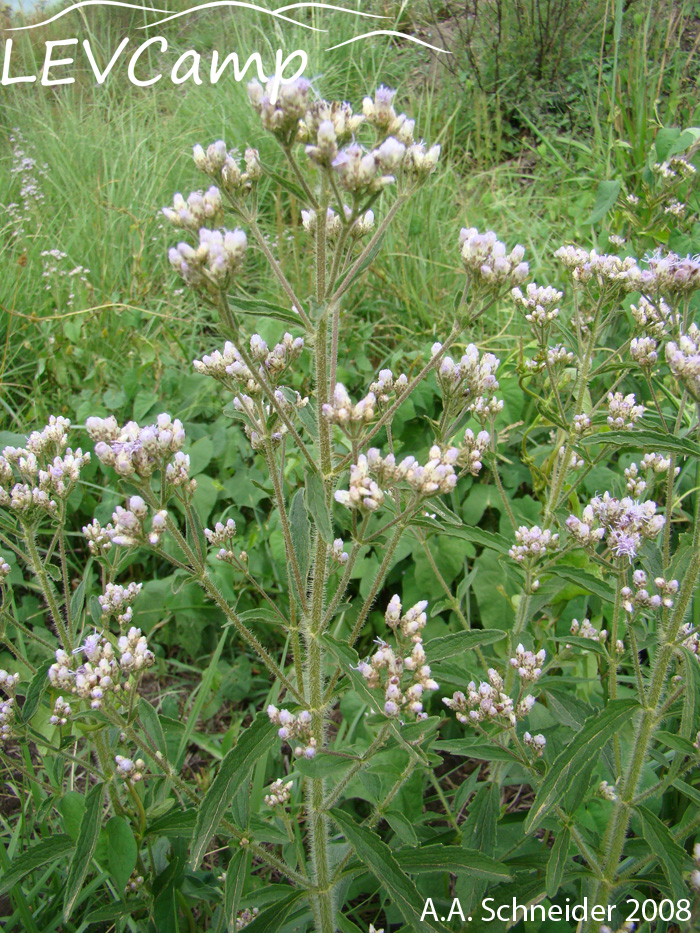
<point>548,745</point>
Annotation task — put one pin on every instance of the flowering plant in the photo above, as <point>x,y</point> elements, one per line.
<point>580,725</point>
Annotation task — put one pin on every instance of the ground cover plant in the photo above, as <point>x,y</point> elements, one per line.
<point>436,605</point>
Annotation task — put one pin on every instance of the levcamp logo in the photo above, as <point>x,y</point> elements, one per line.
<point>189,66</point>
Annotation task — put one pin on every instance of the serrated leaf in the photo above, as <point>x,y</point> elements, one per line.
<point>318,509</point>
<point>671,856</point>
<point>35,691</point>
<point>677,742</point>
<point>582,749</point>
<point>447,646</point>
<point>273,918</point>
<point>42,853</point>
<point>235,769</point>
<point>378,857</point>
<point>646,439</point>
<point>236,871</point>
<point>473,534</point>
<point>558,857</point>
<point>605,200</point>
<point>84,848</point>
<point>588,583</point>
<point>454,859</point>
<point>121,850</point>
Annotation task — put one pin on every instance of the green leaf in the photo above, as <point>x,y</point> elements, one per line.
<point>671,856</point>
<point>447,646</point>
<point>557,860</point>
<point>84,848</point>
<point>324,765</point>
<point>402,826</point>
<point>35,691</point>
<point>42,853</point>
<point>274,917</point>
<point>590,584</point>
<point>583,748</point>
<point>473,534</point>
<point>318,509</point>
<point>677,742</point>
<point>235,769</point>
<point>473,748</point>
<point>150,723</point>
<point>121,850</point>
<point>480,827</point>
<point>78,598</point>
<point>262,308</point>
<point>201,698</point>
<point>605,199</point>
<point>454,859</point>
<point>300,531</point>
<point>348,659</point>
<point>233,886</point>
<point>345,281</point>
<point>646,439</point>
<point>178,823</point>
<point>378,857</point>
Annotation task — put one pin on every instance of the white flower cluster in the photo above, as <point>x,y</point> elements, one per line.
<point>607,791</point>
<point>555,357</point>
<point>230,370</point>
<point>129,770</point>
<point>386,667</point>
<point>624,523</point>
<point>281,116</point>
<point>652,318</point>
<point>127,528</point>
<point>294,728</point>
<point>643,351</point>
<point>222,537</point>
<point>7,718</point>
<point>486,259</point>
<point>46,468</point>
<point>199,210</point>
<point>605,267</point>
<point>472,450</point>
<point>532,544</point>
<point>673,167</point>
<point>623,414</point>
<point>539,304</point>
<point>223,166</point>
<point>338,553</point>
<point>217,257</point>
<point>325,124</point>
<point>117,601</point>
<point>133,450</point>
<point>437,476</point>
<point>657,463</point>
<point>536,743</point>
<point>8,682</point>
<point>135,653</point>
<point>683,359</point>
<point>245,917</point>
<point>362,225</point>
<point>101,673</point>
<point>135,883</point>
<point>487,702</point>
<point>387,387</point>
<point>262,420</point>
<point>279,793</point>
<point>527,664</point>
<point>640,598</point>
<point>5,570</point>
<point>350,417</point>
<point>470,383</point>
<point>61,712</point>
<point>586,630</point>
